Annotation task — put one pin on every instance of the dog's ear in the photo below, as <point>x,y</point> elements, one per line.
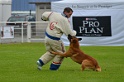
<point>79,39</point>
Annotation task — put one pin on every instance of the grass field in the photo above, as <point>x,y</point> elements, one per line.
<point>18,64</point>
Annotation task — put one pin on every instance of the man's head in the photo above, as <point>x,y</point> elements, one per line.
<point>68,12</point>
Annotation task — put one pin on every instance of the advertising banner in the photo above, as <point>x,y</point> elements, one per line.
<point>7,32</point>
<point>98,23</point>
<point>92,26</point>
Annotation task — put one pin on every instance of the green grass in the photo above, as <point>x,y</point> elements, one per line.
<point>18,64</point>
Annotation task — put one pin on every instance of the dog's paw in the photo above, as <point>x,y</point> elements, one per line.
<point>52,52</point>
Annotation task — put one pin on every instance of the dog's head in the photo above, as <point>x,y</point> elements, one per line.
<point>74,41</point>
<point>70,38</point>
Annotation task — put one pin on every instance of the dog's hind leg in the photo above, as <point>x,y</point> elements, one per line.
<point>88,64</point>
<point>83,66</point>
<point>98,68</point>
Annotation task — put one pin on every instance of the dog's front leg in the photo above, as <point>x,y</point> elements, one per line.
<point>65,54</point>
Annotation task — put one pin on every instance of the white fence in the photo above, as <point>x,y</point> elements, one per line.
<point>24,31</point>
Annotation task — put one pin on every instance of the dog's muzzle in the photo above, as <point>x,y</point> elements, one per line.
<point>69,37</point>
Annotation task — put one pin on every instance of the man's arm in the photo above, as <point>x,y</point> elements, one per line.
<point>66,27</point>
<point>45,16</point>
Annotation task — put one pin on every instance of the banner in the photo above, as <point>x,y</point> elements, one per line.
<point>7,32</point>
<point>92,26</point>
<point>97,23</point>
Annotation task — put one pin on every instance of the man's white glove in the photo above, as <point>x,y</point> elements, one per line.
<point>73,33</point>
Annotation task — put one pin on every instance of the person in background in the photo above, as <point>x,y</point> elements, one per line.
<point>57,26</point>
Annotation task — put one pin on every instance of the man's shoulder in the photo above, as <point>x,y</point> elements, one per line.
<point>60,17</point>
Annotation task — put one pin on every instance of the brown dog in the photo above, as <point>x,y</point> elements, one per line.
<point>78,56</point>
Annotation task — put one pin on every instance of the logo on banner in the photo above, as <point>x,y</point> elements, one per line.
<point>92,26</point>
